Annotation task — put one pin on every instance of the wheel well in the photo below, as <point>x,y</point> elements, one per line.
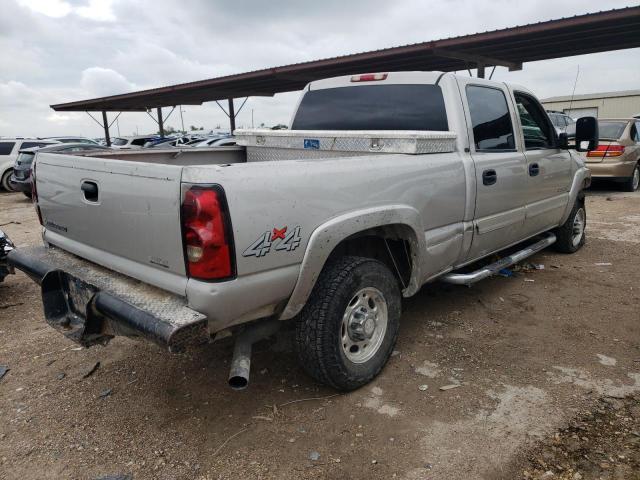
<point>390,244</point>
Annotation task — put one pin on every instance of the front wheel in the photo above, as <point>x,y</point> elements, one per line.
<point>633,182</point>
<point>349,326</point>
<point>571,235</point>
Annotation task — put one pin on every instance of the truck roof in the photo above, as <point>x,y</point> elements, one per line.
<point>397,78</point>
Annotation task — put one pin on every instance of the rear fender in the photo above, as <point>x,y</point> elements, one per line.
<point>327,236</point>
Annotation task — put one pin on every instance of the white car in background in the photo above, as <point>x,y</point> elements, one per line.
<point>9,148</point>
<point>218,142</point>
<point>560,120</point>
<point>137,141</point>
<point>72,140</point>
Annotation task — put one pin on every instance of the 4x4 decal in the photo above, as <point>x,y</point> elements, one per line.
<point>278,238</point>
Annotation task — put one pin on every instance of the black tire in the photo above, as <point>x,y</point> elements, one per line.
<point>5,181</point>
<point>632,183</point>
<point>28,194</point>
<point>566,233</point>
<point>319,327</point>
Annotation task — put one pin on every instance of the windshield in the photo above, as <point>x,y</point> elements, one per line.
<point>25,158</point>
<point>373,107</point>
<point>119,141</point>
<point>608,129</point>
<point>556,120</point>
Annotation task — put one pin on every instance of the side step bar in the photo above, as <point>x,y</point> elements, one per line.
<point>492,269</point>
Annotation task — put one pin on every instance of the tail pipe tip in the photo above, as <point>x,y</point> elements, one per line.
<point>241,360</point>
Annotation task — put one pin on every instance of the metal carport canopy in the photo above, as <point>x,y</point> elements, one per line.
<point>594,32</point>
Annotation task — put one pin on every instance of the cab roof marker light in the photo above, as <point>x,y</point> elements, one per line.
<point>369,77</point>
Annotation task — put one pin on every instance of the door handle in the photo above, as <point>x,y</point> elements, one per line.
<point>534,169</point>
<point>489,177</point>
<point>90,190</point>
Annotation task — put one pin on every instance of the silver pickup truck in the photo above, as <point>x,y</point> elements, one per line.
<point>383,183</point>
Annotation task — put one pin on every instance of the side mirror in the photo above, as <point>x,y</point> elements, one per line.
<point>587,131</point>
<point>563,141</point>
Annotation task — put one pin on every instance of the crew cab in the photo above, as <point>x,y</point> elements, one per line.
<point>384,182</point>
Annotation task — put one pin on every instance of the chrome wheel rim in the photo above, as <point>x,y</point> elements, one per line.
<point>636,178</point>
<point>364,325</point>
<point>578,227</point>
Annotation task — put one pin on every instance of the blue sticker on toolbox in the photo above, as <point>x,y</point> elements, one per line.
<point>312,143</point>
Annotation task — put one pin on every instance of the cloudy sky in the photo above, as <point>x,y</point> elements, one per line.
<point>53,51</point>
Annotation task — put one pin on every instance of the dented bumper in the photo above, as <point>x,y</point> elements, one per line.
<point>90,304</point>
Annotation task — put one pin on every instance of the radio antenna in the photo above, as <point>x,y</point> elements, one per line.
<point>574,88</point>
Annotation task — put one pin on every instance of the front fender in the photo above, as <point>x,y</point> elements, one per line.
<point>581,180</point>
<point>327,236</point>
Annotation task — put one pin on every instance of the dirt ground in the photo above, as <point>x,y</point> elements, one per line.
<point>547,365</point>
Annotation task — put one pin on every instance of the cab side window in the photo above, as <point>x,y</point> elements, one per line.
<point>537,129</point>
<point>490,119</point>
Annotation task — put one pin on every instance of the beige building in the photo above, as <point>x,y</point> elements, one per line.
<point>602,105</point>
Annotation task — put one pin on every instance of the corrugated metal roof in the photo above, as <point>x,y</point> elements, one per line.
<point>593,96</point>
<point>590,33</point>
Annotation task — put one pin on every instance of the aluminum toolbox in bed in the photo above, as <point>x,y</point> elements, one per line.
<point>263,145</point>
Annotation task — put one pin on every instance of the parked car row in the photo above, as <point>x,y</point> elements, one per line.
<point>21,177</point>
<point>12,147</point>
<point>169,141</point>
<point>16,153</point>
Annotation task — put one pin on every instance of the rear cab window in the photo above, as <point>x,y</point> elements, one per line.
<point>490,119</point>
<point>373,107</point>
<point>6,148</point>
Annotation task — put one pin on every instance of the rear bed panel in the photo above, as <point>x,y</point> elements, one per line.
<point>136,215</point>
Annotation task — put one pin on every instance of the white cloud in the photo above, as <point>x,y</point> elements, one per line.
<point>100,10</point>
<point>50,8</point>
<point>100,82</point>
<point>56,117</point>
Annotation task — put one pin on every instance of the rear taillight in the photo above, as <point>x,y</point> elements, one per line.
<point>606,151</point>
<point>206,233</point>
<point>369,77</point>
<point>34,191</point>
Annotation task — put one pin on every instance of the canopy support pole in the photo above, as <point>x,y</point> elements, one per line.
<point>105,123</point>
<point>232,116</point>
<point>160,122</point>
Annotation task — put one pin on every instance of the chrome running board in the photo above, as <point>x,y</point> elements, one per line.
<point>492,269</point>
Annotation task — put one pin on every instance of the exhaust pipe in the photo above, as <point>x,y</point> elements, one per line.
<point>241,360</point>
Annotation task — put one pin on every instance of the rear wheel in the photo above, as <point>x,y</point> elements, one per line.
<point>632,183</point>
<point>5,181</point>
<point>347,330</point>
<point>571,235</point>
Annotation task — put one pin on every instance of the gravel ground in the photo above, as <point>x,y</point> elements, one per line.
<point>534,355</point>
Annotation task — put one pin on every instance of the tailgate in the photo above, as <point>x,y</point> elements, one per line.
<point>130,210</point>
